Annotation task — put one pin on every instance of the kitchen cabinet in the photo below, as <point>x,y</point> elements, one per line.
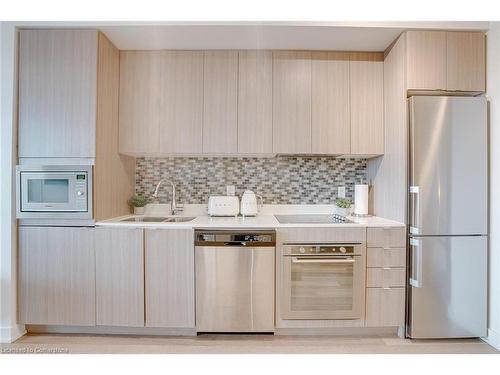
<point>385,307</point>
<point>465,61</point>
<point>140,88</point>
<point>169,278</point>
<point>367,105</point>
<point>330,103</point>
<point>57,93</point>
<point>56,276</point>
<point>426,60</point>
<point>119,254</point>
<point>181,102</point>
<point>385,276</point>
<point>446,61</point>
<point>292,102</point>
<point>255,102</point>
<point>220,102</point>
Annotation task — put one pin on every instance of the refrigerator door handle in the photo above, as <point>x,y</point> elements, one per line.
<point>415,199</point>
<point>416,263</point>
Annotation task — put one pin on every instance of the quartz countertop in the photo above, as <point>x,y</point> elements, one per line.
<point>261,221</point>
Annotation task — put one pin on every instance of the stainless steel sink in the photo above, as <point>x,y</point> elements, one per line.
<point>147,219</point>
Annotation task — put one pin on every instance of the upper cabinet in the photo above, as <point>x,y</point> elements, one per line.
<point>57,93</point>
<point>255,102</point>
<point>291,102</point>
<point>181,102</point>
<point>220,103</point>
<point>331,117</point>
<point>426,60</point>
<point>445,61</point>
<point>140,85</point>
<point>466,65</point>
<point>367,105</point>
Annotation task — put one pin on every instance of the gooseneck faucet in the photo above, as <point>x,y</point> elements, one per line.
<point>173,204</point>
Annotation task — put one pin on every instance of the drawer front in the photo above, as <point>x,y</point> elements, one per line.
<point>386,257</point>
<point>386,237</point>
<point>385,277</point>
<point>317,235</point>
<point>385,307</point>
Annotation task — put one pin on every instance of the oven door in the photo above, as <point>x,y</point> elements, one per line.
<point>323,287</point>
<point>53,192</point>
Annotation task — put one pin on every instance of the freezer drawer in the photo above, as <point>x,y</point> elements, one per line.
<point>448,287</point>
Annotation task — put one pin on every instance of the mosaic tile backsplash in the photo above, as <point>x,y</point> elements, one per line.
<point>279,180</point>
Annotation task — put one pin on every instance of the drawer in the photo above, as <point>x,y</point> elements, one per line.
<point>386,237</point>
<point>385,307</point>
<point>385,257</point>
<point>385,277</point>
<point>297,235</point>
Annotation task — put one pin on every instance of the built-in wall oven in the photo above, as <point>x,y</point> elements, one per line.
<point>323,281</point>
<point>54,192</point>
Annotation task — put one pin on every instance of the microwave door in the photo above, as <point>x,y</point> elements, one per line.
<point>50,192</point>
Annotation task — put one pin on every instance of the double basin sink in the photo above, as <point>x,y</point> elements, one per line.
<point>151,219</point>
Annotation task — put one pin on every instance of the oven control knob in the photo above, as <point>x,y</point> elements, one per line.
<point>302,250</point>
<point>342,249</point>
<point>79,193</point>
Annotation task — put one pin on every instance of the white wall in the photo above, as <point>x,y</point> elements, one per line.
<point>493,93</point>
<point>9,330</point>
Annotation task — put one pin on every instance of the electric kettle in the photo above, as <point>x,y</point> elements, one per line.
<point>249,205</point>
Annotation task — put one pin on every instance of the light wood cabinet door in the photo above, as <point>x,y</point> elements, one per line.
<point>57,93</point>
<point>386,237</point>
<point>220,102</point>
<point>119,277</point>
<point>139,118</point>
<point>255,102</point>
<point>291,102</point>
<point>385,307</point>
<point>56,276</point>
<point>385,257</point>
<point>466,65</point>
<point>169,278</point>
<point>426,60</point>
<point>367,107</point>
<point>181,102</point>
<point>330,103</point>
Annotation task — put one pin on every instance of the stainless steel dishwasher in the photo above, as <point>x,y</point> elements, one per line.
<point>235,281</point>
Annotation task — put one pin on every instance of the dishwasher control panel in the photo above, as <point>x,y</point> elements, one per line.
<point>228,238</point>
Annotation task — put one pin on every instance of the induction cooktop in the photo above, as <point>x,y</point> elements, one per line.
<point>312,219</point>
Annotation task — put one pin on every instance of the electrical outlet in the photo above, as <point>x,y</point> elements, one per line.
<point>341,191</point>
<point>230,191</point>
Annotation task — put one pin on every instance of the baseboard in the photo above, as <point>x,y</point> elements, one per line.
<point>338,331</point>
<point>492,339</point>
<point>11,334</point>
<point>109,330</point>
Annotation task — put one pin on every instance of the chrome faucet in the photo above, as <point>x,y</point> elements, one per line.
<point>175,208</point>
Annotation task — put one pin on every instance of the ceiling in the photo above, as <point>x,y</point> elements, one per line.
<point>346,36</point>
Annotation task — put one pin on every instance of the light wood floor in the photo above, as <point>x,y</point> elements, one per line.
<point>258,344</point>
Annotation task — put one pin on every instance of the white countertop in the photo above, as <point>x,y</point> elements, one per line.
<point>261,221</point>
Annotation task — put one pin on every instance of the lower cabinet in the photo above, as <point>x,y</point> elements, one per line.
<point>56,276</point>
<point>169,278</point>
<point>385,277</point>
<point>385,307</point>
<point>119,254</point>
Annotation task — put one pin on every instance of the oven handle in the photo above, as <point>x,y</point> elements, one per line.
<point>322,260</point>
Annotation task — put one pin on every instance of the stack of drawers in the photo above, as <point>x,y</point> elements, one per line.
<point>385,276</point>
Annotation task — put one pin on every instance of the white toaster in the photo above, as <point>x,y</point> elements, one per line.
<point>223,205</point>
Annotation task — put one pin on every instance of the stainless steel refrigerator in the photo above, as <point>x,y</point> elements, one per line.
<point>448,217</point>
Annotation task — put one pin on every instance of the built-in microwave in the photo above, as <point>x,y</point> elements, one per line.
<point>54,192</point>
